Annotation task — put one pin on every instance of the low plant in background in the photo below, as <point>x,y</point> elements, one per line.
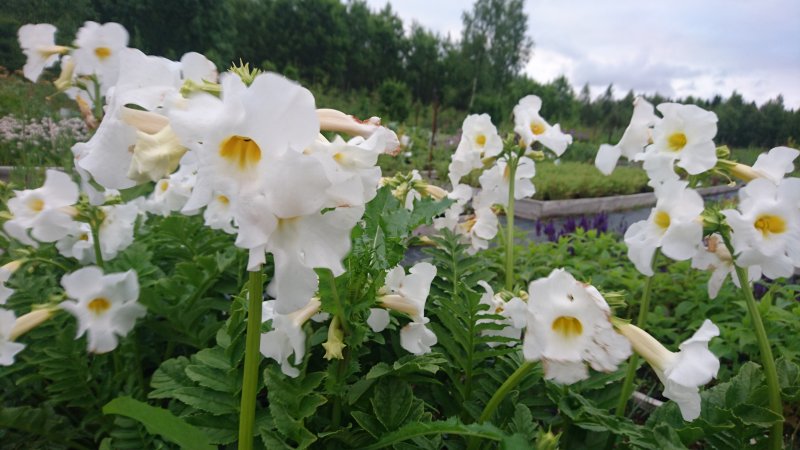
<point>224,268</point>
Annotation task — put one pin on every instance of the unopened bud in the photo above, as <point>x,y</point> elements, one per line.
<point>29,321</point>
<point>64,80</point>
<point>435,191</point>
<point>547,440</point>
<point>335,343</point>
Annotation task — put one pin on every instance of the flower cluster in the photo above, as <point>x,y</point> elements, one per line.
<point>762,235</point>
<point>243,149</point>
<point>682,137</point>
<point>481,148</point>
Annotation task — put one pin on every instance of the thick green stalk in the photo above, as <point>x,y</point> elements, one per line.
<point>252,358</point>
<point>767,360</point>
<point>512,170</point>
<point>98,254</point>
<point>505,388</point>
<point>501,394</point>
<point>633,362</point>
<point>98,104</point>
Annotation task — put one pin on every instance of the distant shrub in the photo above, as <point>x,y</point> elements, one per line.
<point>580,180</point>
<point>395,97</point>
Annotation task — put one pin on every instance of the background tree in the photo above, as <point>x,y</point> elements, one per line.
<point>495,43</point>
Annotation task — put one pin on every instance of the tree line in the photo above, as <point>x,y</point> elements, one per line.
<point>347,47</point>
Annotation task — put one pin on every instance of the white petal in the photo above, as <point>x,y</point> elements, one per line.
<point>82,284</point>
<point>606,159</point>
<point>417,338</point>
<point>378,319</point>
<point>565,372</point>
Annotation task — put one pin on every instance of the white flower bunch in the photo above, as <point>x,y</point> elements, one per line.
<point>407,294</point>
<point>568,325</point>
<point>683,136</point>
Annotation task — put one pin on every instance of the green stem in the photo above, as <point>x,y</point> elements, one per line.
<point>501,394</point>
<point>98,253</point>
<point>340,313</point>
<point>47,261</point>
<point>505,388</point>
<point>98,105</point>
<point>767,360</point>
<point>633,363</point>
<point>139,370</point>
<point>512,170</point>
<point>341,371</point>
<point>252,359</point>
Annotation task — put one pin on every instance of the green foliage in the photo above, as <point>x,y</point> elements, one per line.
<point>292,402</point>
<point>159,421</point>
<point>448,427</point>
<point>208,383</point>
<point>455,304</point>
<point>395,99</point>
<point>569,180</point>
<point>733,414</point>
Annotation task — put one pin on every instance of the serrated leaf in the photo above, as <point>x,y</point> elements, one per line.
<point>171,375</point>
<point>358,389</point>
<point>741,387</point>
<point>523,422</point>
<point>206,400</point>
<point>159,421</point>
<point>447,427</point>
<point>369,423</point>
<point>212,378</point>
<point>756,415</point>
<point>213,357</point>
<point>391,402</point>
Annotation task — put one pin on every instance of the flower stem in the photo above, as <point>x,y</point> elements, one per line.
<point>505,388</point>
<point>512,169</point>
<point>98,253</point>
<point>252,358</point>
<point>767,360</point>
<point>633,363</point>
<point>501,393</point>
<point>98,105</point>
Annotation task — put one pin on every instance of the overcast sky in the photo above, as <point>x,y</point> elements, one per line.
<point>677,48</point>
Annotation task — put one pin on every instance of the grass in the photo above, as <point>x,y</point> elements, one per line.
<point>582,180</point>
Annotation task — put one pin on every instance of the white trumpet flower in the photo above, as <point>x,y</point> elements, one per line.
<point>286,336</point>
<point>716,258</point>
<point>241,136</point>
<point>495,182</point>
<point>479,140</point>
<point>633,140</point>
<point>568,326</point>
<point>674,225</point>
<point>685,134</point>
<point>333,120</point>
<point>98,51</point>
<point>417,338</point>
<point>513,311</point>
<point>8,348</point>
<point>38,44</point>
<point>682,373</point>
<point>46,211</point>
<point>766,228</point>
<point>773,165</point>
<point>78,244</point>
<point>533,128</point>
<point>105,305</point>
<point>407,294</point>
<point>5,273</point>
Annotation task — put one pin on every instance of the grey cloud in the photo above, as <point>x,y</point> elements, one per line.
<point>638,74</point>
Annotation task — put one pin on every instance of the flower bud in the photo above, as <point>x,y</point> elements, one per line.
<point>29,321</point>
